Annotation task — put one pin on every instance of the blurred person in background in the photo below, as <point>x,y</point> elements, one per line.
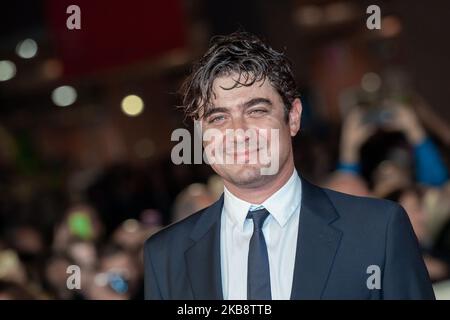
<point>438,207</point>
<point>14,279</point>
<point>11,269</point>
<point>195,197</point>
<point>411,198</point>
<point>395,177</point>
<point>83,253</point>
<point>118,276</point>
<point>429,168</point>
<point>215,186</point>
<point>130,233</point>
<point>130,236</point>
<point>13,291</point>
<point>79,222</point>
<point>390,175</point>
<point>27,243</point>
<point>347,183</point>
<point>55,278</point>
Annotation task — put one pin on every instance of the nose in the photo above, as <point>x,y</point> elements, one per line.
<point>239,122</point>
<point>240,128</point>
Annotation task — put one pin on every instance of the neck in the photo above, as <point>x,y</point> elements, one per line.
<point>258,195</point>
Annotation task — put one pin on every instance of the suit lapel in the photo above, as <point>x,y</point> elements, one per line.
<point>317,243</point>
<point>203,257</point>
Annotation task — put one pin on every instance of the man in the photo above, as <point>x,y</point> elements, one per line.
<point>274,236</point>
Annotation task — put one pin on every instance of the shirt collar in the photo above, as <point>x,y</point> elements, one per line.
<point>281,205</point>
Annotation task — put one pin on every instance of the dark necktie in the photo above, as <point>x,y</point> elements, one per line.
<point>258,277</point>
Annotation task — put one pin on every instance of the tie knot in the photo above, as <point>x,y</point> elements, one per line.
<point>258,216</point>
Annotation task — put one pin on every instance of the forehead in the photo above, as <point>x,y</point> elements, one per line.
<point>224,95</point>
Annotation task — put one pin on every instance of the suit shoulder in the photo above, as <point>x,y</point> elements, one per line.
<point>367,208</point>
<point>177,231</point>
<point>366,221</point>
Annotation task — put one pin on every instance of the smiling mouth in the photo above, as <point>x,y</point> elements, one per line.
<point>241,154</point>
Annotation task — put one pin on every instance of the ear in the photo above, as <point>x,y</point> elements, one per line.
<point>295,117</point>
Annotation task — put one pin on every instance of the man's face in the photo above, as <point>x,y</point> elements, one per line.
<point>259,110</point>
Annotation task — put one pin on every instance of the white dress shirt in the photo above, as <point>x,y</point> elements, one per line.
<point>280,232</point>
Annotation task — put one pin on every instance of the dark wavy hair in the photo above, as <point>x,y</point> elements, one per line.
<point>247,56</point>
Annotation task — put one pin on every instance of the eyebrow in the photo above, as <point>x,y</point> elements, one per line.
<point>248,104</point>
<point>256,101</point>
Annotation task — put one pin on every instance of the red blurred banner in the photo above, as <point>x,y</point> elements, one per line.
<point>115,33</point>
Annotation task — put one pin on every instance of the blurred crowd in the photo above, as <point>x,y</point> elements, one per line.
<point>387,151</point>
<point>52,218</point>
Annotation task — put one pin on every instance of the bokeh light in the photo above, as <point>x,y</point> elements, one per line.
<point>7,70</point>
<point>64,96</point>
<point>132,105</point>
<point>27,49</point>
<point>371,82</point>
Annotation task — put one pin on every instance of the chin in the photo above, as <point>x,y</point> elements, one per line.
<point>245,175</point>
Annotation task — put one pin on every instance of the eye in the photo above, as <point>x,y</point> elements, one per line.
<point>216,119</point>
<point>257,112</point>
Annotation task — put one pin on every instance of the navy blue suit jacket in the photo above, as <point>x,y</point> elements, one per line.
<point>340,237</point>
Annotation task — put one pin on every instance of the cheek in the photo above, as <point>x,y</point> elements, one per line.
<point>215,141</point>
<point>281,137</point>
<point>278,143</point>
